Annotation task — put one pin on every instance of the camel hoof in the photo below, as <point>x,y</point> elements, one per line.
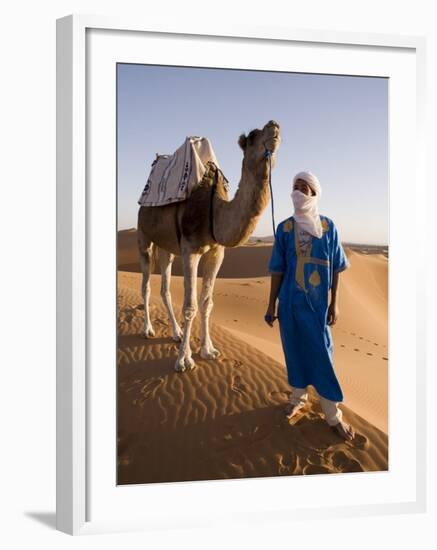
<point>189,363</point>
<point>210,353</point>
<point>184,364</point>
<point>177,333</point>
<point>179,366</point>
<point>149,333</point>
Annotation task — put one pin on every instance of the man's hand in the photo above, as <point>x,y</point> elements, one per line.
<point>270,317</point>
<point>333,313</point>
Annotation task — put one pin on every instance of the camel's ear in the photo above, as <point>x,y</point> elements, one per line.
<point>242,141</point>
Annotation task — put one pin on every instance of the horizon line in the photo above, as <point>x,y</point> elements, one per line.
<point>345,243</point>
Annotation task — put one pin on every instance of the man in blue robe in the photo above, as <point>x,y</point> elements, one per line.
<point>306,261</point>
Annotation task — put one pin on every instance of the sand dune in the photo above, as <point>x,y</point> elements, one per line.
<point>225,419</point>
<point>247,261</point>
<point>360,336</point>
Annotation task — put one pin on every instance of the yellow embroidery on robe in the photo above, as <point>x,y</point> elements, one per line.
<point>287,226</point>
<point>302,260</point>
<point>325,225</point>
<point>314,278</point>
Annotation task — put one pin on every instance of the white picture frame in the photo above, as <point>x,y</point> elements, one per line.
<point>75,215</point>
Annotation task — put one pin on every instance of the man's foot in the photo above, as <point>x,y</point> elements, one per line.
<point>344,430</point>
<point>291,411</point>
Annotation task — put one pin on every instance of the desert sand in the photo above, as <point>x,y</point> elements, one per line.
<point>225,419</point>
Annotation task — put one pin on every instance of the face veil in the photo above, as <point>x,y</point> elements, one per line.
<point>306,208</point>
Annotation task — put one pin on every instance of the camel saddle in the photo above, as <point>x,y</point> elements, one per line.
<point>173,177</point>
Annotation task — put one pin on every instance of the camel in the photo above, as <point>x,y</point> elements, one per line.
<point>202,226</point>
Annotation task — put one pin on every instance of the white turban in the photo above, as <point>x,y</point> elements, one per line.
<point>306,210</point>
<point>311,180</point>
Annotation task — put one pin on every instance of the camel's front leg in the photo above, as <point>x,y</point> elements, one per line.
<point>166,261</point>
<point>190,264</point>
<point>213,260</point>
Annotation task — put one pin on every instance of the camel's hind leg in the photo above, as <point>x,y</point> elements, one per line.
<point>166,261</point>
<point>212,262</point>
<point>145,248</point>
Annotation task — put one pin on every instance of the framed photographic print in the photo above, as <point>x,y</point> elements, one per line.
<point>234,211</point>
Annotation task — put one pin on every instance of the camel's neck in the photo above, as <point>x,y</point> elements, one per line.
<point>235,220</point>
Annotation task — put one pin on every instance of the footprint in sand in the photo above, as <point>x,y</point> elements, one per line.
<point>128,317</point>
<point>315,460</point>
<point>342,346</point>
<point>237,386</point>
<point>134,385</point>
<point>237,364</point>
<point>385,358</point>
<point>356,349</point>
<point>233,439</point>
<point>368,353</point>
<point>287,465</point>
<point>343,462</point>
<point>359,442</point>
<point>150,387</point>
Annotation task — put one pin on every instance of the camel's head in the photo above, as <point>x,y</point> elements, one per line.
<point>257,142</point>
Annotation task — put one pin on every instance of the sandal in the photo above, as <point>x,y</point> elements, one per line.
<point>292,410</point>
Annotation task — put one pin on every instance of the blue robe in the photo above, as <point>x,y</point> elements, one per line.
<point>303,305</point>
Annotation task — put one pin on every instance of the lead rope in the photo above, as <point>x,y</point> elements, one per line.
<point>268,155</point>
<point>211,203</point>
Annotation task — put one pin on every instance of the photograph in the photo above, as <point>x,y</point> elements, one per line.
<point>252,273</point>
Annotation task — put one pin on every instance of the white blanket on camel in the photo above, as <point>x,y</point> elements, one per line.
<point>173,177</point>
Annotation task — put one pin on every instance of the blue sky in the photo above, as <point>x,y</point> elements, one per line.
<point>334,126</point>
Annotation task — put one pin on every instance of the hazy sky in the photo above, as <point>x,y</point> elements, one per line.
<point>334,126</point>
